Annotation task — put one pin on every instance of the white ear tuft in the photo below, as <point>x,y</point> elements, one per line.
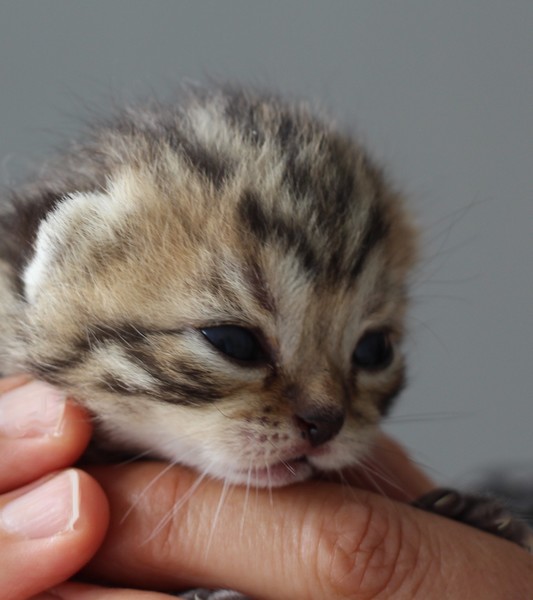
<point>77,217</point>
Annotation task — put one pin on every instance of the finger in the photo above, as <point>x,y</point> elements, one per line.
<point>48,530</point>
<point>40,431</point>
<point>80,591</point>
<point>314,540</point>
<point>14,381</point>
<point>390,471</point>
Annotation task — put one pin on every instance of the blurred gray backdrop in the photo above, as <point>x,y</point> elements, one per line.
<point>442,92</point>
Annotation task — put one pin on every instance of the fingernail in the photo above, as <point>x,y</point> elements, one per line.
<point>32,410</point>
<point>45,511</point>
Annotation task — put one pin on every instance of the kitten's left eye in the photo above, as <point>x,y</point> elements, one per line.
<point>373,351</point>
<point>234,341</point>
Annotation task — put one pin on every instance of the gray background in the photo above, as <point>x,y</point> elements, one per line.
<point>442,92</point>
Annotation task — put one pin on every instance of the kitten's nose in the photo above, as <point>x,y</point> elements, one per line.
<point>319,426</point>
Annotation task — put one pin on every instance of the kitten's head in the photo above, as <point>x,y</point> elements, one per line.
<point>232,296</point>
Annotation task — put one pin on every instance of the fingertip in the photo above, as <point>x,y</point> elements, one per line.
<point>75,432</point>
<point>94,513</point>
<point>41,431</point>
<point>13,381</point>
<point>83,591</point>
<point>50,529</point>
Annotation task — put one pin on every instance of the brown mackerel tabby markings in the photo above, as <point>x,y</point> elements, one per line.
<point>102,333</point>
<point>241,113</point>
<point>253,215</point>
<point>192,391</point>
<point>376,229</point>
<point>298,175</point>
<point>197,388</point>
<point>270,227</point>
<point>51,369</point>
<point>218,286</point>
<point>115,384</point>
<point>276,228</point>
<point>208,164</point>
<point>286,129</point>
<point>259,287</point>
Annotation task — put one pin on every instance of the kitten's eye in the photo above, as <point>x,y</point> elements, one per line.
<point>236,342</point>
<point>373,351</point>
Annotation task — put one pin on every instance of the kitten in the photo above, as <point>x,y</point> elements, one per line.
<point>222,282</point>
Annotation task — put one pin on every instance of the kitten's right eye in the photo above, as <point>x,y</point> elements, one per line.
<point>234,341</point>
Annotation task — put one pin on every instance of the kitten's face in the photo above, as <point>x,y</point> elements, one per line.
<point>249,328</point>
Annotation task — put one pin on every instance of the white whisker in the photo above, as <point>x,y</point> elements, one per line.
<point>174,510</point>
<point>246,497</point>
<point>269,485</point>
<point>214,524</point>
<point>146,490</point>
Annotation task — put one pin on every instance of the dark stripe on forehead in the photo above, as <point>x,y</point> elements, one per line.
<point>243,114</point>
<point>253,215</point>
<point>225,291</point>
<point>275,228</point>
<point>210,165</point>
<point>298,176</point>
<point>286,131</point>
<point>375,230</point>
<point>322,166</point>
<point>344,252</point>
<point>259,287</point>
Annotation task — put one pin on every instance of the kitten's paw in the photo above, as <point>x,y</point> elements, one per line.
<point>483,513</point>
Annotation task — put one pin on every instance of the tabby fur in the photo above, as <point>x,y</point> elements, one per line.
<point>228,206</point>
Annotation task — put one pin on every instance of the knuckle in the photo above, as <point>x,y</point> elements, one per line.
<point>365,551</point>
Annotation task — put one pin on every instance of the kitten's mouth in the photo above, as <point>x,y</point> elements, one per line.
<point>278,474</point>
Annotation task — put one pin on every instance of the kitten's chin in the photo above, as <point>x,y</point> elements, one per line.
<point>275,475</point>
<point>326,458</point>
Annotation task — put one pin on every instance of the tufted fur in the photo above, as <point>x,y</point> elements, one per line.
<point>232,207</point>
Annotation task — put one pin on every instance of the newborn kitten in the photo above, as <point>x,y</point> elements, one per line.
<point>221,282</point>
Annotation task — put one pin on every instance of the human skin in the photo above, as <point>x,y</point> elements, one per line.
<point>315,540</point>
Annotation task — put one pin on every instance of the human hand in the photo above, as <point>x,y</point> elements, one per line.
<point>52,519</point>
<point>314,540</point>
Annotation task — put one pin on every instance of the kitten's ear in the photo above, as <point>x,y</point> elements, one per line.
<point>67,234</point>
